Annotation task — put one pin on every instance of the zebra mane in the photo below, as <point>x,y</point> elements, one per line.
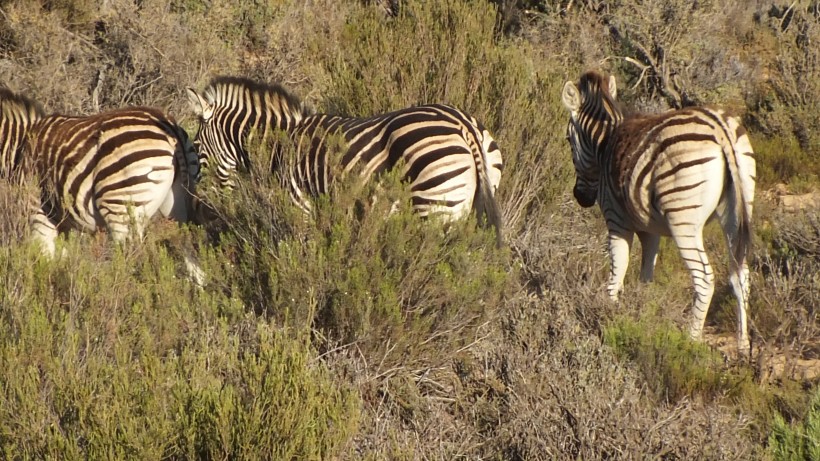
<point>13,103</point>
<point>220,89</point>
<point>593,82</point>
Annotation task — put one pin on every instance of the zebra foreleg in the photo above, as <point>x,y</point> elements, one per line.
<point>649,254</point>
<point>44,232</point>
<point>619,246</point>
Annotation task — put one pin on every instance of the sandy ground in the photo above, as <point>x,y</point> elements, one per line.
<point>771,363</point>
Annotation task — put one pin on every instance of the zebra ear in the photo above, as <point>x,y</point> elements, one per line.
<point>199,105</point>
<point>571,97</point>
<point>613,90</point>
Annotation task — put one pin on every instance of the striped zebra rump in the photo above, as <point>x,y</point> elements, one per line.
<point>449,159</point>
<point>665,174</point>
<point>17,114</point>
<point>105,170</point>
<point>113,170</point>
<point>674,166</point>
<point>428,142</point>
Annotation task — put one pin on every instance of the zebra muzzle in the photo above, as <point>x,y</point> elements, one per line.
<point>584,198</point>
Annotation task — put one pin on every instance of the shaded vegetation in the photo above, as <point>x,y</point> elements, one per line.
<point>359,334</point>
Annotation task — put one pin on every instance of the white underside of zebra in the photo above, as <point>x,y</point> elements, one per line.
<point>668,175</point>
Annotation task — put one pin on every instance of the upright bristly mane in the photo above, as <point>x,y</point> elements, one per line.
<point>17,114</point>
<point>223,89</point>
<point>13,103</point>
<point>594,83</point>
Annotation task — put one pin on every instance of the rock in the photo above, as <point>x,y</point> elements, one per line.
<point>793,203</point>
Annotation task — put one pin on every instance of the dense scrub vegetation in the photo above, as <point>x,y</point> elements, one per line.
<point>354,335</point>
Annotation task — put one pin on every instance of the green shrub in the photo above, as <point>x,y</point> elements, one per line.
<point>109,354</point>
<point>798,441</point>
<point>401,288</point>
<point>780,159</point>
<point>457,59</point>
<point>674,365</point>
<point>340,336</point>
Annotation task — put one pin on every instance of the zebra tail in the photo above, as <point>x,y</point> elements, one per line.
<point>743,245</point>
<point>485,193</point>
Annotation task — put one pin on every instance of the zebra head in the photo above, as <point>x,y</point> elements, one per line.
<point>593,115</point>
<point>231,111</point>
<point>17,115</point>
<point>218,139</point>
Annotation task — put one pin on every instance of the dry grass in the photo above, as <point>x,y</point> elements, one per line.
<point>401,340</point>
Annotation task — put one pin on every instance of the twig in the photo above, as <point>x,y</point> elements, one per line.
<point>785,16</point>
<point>134,31</point>
<point>643,67</point>
<point>331,351</point>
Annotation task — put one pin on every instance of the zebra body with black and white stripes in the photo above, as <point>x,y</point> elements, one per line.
<point>665,174</point>
<point>450,160</point>
<point>112,171</point>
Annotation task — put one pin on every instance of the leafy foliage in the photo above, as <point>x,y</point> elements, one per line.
<point>676,366</point>
<point>799,441</point>
<point>152,367</point>
<point>354,333</point>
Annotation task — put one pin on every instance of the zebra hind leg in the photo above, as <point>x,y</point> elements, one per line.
<point>649,254</point>
<point>182,206</point>
<point>690,243</point>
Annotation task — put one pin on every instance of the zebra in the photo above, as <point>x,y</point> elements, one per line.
<point>113,170</point>
<point>665,174</point>
<point>450,160</point>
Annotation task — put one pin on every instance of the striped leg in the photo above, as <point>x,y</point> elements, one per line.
<point>178,204</point>
<point>44,231</point>
<point>619,245</point>
<point>738,277</point>
<point>690,242</point>
<point>649,254</point>
<point>181,206</point>
<point>122,221</point>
